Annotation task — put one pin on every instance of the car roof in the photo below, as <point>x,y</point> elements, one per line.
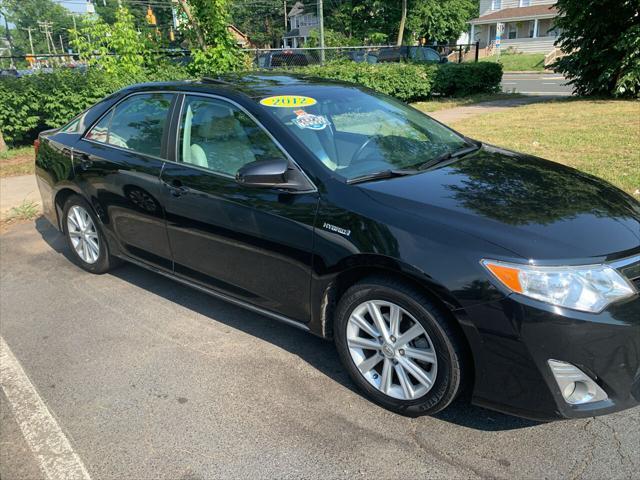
<point>254,85</point>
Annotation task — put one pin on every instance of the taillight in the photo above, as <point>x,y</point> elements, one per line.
<point>36,146</point>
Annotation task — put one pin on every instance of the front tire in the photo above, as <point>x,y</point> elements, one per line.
<point>84,236</point>
<point>399,347</point>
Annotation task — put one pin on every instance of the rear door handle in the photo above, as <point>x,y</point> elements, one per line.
<point>176,188</point>
<point>84,160</point>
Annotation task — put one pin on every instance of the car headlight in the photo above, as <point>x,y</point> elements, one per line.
<point>588,288</point>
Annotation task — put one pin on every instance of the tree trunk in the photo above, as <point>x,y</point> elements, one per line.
<point>3,146</point>
<point>403,18</point>
<point>194,23</point>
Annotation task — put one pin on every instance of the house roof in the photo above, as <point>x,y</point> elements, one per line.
<point>518,13</point>
<point>297,9</point>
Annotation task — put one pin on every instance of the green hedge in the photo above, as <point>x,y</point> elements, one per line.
<point>410,82</point>
<point>49,100</point>
<point>463,79</point>
<point>405,81</point>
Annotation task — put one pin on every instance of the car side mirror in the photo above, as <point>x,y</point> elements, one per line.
<point>276,173</point>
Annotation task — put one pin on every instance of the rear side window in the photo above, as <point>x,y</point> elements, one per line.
<point>137,123</point>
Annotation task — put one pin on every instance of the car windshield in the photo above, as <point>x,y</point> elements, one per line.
<point>356,133</point>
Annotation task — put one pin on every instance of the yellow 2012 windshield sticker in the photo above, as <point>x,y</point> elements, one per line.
<point>288,101</point>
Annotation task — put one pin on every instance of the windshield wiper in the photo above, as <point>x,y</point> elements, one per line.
<point>380,175</point>
<point>448,155</point>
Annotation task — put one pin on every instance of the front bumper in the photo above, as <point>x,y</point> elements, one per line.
<point>512,340</point>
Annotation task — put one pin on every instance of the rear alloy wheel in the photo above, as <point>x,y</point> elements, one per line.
<point>83,234</point>
<point>88,246</point>
<point>399,347</point>
<point>392,350</point>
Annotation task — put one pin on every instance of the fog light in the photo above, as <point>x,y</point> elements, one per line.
<point>576,386</point>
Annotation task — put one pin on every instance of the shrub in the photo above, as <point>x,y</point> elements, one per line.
<point>411,82</point>
<point>459,80</point>
<point>405,81</point>
<point>49,100</point>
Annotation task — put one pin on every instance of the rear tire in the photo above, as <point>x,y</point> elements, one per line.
<point>84,237</point>
<point>414,368</point>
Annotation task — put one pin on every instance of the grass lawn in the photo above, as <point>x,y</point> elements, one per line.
<point>444,103</point>
<point>17,161</point>
<point>518,62</point>
<point>599,137</point>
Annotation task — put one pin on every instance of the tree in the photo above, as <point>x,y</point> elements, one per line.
<point>603,49</point>
<point>368,21</point>
<point>263,21</point>
<point>118,47</point>
<point>25,14</point>
<point>440,20</point>
<point>207,27</point>
<point>164,19</point>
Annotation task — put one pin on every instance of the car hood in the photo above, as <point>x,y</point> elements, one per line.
<point>533,207</point>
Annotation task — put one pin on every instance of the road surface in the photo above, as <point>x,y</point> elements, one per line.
<point>536,84</point>
<point>144,378</point>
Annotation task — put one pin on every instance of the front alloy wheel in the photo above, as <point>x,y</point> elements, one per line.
<point>391,349</point>
<point>403,350</point>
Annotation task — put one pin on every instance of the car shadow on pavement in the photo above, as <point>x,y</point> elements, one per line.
<point>319,353</point>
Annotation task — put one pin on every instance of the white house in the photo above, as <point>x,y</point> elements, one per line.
<point>528,25</point>
<point>301,24</point>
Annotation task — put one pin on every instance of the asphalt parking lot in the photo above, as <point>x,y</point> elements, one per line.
<point>148,379</point>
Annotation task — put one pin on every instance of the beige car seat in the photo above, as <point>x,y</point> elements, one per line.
<point>218,140</point>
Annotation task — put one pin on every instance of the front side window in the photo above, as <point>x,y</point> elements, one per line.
<point>496,4</point>
<point>525,3</point>
<point>137,123</point>
<point>217,135</point>
<point>355,133</point>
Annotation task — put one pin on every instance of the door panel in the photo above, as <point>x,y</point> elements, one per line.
<point>252,243</point>
<point>123,184</point>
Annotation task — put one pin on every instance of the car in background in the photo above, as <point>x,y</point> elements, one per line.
<point>282,58</point>
<point>417,54</point>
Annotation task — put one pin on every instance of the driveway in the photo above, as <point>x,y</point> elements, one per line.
<point>16,190</point>
<point>536,84</point>
<point>135,376</point>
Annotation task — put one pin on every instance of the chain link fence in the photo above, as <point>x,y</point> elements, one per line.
<point>277,58</point>
<point>272,58</point>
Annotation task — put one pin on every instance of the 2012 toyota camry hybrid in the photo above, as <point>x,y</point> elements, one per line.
<point>436,263</point>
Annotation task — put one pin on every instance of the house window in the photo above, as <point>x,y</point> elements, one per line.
<point>496,4</point>
<point>525,3</point>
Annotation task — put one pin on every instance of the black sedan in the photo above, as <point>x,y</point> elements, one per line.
<point>436,263</point>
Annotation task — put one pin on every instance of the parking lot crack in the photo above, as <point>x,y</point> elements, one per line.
<point>577,471</point>
<point>616,438</point>
<point>448,459</point>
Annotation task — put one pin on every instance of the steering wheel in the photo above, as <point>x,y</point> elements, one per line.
<point>362,148</point>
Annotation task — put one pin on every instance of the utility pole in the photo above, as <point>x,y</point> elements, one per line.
<point>286,22</point>
<point>403,19</point>
<point>45,28</point>
<point>321,16</point>
<point>28,29</point>
<point>6,27</point>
